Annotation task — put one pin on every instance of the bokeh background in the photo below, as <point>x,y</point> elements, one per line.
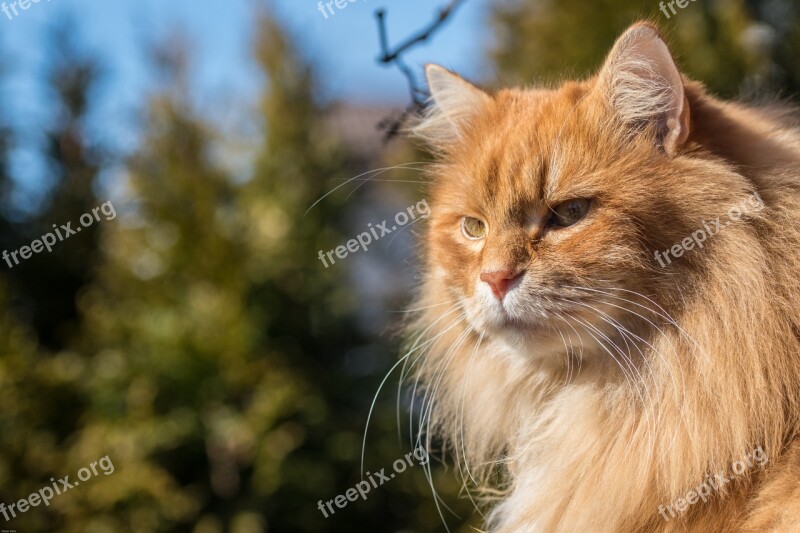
<point>196,339</point>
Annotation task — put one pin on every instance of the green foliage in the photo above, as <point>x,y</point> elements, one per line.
<point>46,295</point>
<point>724,44</point>
<point>215,359</point>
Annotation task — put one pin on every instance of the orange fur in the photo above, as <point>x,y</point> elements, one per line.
<point>608,385</point>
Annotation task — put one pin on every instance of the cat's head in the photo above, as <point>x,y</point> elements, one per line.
<point>548,204</point>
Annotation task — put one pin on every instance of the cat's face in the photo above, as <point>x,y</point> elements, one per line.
<point>529,217</point>
<point>547,205</point>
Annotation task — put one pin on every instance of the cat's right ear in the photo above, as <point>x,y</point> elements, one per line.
<point>454,103</point>
<point>645,87</point>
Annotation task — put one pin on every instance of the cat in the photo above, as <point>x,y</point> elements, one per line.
<point>580,384</point>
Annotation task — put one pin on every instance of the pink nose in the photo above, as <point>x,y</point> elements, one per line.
<point>500,281</point>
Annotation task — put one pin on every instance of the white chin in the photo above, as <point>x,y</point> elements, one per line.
<point>514,313</point>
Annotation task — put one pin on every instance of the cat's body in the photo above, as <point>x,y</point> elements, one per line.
<point>564,364</point>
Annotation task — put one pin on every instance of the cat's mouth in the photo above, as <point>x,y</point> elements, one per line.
<point>530,313</point>
<point>519,312</point>
<point>541,323</point>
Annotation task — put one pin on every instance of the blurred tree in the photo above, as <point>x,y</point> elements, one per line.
<point>40,398</point>
<point>173,343</point>
<point>6,184</point>
<point>47,284</point>
<point>212,356</point>
<point>735,47</point>
<point>41,401</point>
<point>308,313</point>
<point>226,377</point>
<point>779,33</point>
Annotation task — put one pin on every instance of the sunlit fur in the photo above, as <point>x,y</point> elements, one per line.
<point>606,385</point>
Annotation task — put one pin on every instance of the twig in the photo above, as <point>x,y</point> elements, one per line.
<point>419,95</point>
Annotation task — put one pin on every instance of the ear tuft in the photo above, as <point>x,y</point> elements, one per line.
<point>453,104</point>
<point>645,88</point>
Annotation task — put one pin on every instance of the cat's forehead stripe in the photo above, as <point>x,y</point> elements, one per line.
<point>536,128</point>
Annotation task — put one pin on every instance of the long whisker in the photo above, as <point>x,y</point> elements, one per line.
<point>568,356</point>
<point>396,233</point>
<point>628,374</point>
<point>385,180</point>
<point>414,345</point>
<point>397,167</point>
<point>461,429</point>
<point>440,372</point>
<point>372,407</point>
<point>661,311</point>
<point>651,323</point>
<point>580,338</point>
<point>449,327</point>
<point>651,427</point>
<point>376,172</point>
<point>375,398</point>
<point>679,389</point>
<point>405,369</point>
<point>426,307</point>
<point>427,414</point>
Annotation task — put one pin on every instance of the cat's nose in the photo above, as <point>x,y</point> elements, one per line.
<point>500,281</point>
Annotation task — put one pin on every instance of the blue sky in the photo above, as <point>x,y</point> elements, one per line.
<point>343,46</point>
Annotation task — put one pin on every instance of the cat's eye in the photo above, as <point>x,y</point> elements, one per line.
<point>569,212</point>
<point>472,228</point>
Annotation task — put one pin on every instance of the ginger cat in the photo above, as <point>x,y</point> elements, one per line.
<point>608,326</point>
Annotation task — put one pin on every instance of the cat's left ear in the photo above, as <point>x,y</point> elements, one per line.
<point>454,103</point>
<point>645,87</point>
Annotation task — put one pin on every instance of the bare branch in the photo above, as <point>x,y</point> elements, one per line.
<point>419,95</point>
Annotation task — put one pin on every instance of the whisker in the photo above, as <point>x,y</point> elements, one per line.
<point>623,330</point>
<point>397,167</point>
<point>679,389</point>
<point>384,180</point>
<point>427,413</point>
<point>414,344</point>
<point>450,326</point>
<point>423,308</point>
<point>396,233</point>
<point>375,399</point>
<point>461,430</point>
<point>377,171</point>
<point>676,388</point>
<point>405,369</point>
<point>628,375</point>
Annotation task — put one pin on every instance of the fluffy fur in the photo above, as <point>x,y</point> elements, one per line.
<point>606,385</point>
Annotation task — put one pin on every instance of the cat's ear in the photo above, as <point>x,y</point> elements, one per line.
<point>454,102</point>
<point>645,88</point>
